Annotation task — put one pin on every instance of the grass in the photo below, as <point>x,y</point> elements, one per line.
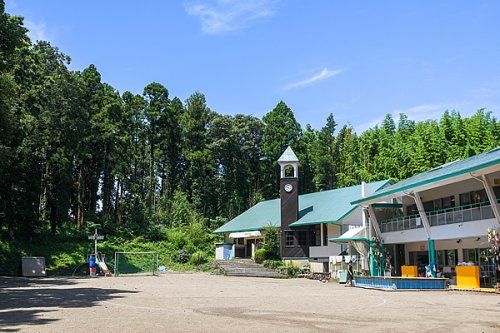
<point>63,254</point>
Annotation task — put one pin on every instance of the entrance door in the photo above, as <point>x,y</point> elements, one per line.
<point>400,258</point>
<point>419,259</point>
<point>250,247</point>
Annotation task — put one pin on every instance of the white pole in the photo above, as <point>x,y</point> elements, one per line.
<point>95,243</point>
<point>322,233</point>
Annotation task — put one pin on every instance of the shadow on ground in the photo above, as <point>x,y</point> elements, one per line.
<point>24,301</point>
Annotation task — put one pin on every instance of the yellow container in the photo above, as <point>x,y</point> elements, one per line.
<point>409,271</point>
<point>467,276</point>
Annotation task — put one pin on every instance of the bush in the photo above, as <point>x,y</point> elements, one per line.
<point>177,238</point>
<point>182,256</point>
<point>260,256</point>
<point>156,232</point>
<point>289,271</point>
<point>271,242</point>
<point>272,264</point>
<point>198,258</point>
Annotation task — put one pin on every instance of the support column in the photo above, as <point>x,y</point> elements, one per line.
<point>373,263</point>
<point>430,242</point>
<point>432,255</point>
<point>423,215</point>
<point>372,223</point>
<point>322,234</point>
<point>491,197</point>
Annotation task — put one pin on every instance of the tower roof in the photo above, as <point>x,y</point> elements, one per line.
<point>288,156</point>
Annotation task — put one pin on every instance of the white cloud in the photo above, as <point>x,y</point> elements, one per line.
<point>323,75</point>
<point>422,112</point>
<point>221,16</point>
<point>37,31</point>
<point>417,113</point>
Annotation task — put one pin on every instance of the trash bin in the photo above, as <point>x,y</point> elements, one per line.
<point>342,277</point>
<point>92,267</point>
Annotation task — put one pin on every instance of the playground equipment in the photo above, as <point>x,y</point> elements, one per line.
<point>125,262</point>
<point>96,259</point>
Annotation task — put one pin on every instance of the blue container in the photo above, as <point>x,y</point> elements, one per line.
<point>92,261</point>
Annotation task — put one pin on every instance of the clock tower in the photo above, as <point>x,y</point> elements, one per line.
<point>289,174</point>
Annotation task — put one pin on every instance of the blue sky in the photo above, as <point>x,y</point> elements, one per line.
<point>356,59</point>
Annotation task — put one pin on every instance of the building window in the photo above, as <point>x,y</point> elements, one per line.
<point>301,238</point>
<point>428,206</point>
<point>451,257</point>
<point>471,255</point>
<point>473,197</point>
<point>289,239</point>
<point>464,199</point>
<point>478,196</point>
<point>444,203</point>
<point>496,190</point>
<point>412,210</point>
<point>316,239</point>
<point>437,205</point>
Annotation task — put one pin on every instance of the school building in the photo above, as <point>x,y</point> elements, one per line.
<point>441,216</point>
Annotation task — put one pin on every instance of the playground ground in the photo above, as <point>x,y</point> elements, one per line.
<point>201,302</point>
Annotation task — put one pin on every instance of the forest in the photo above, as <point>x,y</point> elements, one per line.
<point>150,167</point>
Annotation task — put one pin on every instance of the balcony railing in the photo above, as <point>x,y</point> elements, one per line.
<point>466,213</point>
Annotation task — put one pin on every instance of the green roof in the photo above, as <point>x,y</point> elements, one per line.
<point>319,207</point>
<point>440,173</point>
<point>288,156</point>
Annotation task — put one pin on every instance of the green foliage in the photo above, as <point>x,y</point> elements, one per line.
<point>272,263</point>
<point>289,270</point>
<point>260,255</point>
<point>181,256</point>
<point>271,242</point>
<point>198,258</point>
<point>183,213</point>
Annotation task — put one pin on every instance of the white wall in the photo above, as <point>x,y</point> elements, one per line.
<point>333,249</point>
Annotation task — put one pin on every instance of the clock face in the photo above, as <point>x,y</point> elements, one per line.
<point>288,187</point>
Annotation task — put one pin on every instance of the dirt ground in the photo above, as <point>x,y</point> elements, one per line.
<point>202,302</point>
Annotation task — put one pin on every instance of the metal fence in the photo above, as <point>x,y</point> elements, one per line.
<point>461,214</point>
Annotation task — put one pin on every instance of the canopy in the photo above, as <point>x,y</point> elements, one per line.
<point>353,234</point>
<point>244,234</point>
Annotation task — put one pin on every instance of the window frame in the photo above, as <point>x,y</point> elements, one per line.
<point>287,239</point>
<point>301,238</point>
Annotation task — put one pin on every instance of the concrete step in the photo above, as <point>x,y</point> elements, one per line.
<point>271,276</point>
<point>246,267</point>
<point>239,266</point>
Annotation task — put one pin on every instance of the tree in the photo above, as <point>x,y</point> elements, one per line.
<point>325,159</point>
<point>281,130</point>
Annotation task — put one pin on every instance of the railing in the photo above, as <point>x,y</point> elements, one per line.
<point>466,213</point>
<point>401,223</point>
